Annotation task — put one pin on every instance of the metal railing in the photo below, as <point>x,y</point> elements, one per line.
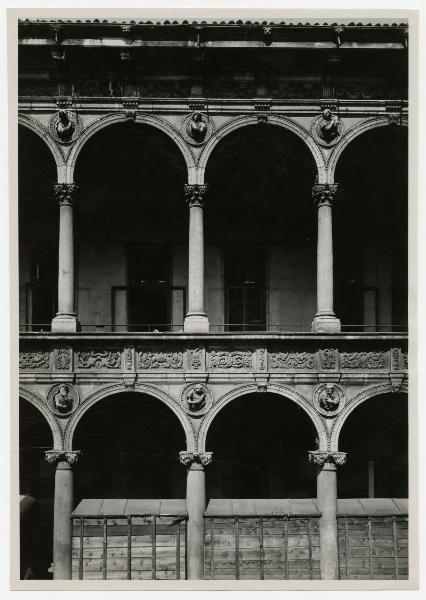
<point>225,328</point>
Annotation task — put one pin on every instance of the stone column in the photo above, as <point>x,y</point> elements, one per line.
<point>196,318</point>
<point>325,320</point>
<point>66,318</point>
<point>63,505</point>
<point>327,505</point>
<point>195,505</point>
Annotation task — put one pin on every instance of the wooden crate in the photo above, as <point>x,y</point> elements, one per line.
<point>132,547</point>
<point>373,547</point>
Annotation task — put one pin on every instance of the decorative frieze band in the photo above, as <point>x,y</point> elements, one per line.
<point>99,359</point>
<point>231,360</point>
<point>291,360</point>
<point>34,360</point>
<point>160,360</point>
<point>362,360</point>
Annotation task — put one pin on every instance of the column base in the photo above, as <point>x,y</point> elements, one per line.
<point>196,324</point>
<point>64,324</point>
<point>326,324</point>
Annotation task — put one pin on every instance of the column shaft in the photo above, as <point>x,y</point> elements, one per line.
<point>62,526</point>
<point>196,262</point>
<point>196,505</point>
<point>327,504</point>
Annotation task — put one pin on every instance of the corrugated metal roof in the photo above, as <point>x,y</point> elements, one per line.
<point>117,507</point>
<point>237,22</point>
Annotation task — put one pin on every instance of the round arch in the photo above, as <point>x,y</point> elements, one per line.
<point>113,119</point>
<point>353,133</point>
<point>275,120</point>
<point>119,388</point>
<point>43,133</point>
<point>41,407</point>
<point>281,390</point>
<point>371,392</point>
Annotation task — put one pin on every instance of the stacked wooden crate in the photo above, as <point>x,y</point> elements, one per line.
<point>373,538</point>
<point>261,539</point>
<point>129,539</point>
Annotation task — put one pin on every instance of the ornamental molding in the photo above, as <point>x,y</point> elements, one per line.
<point>63,359</point>
<point>196,399</point>
<point>62,399</point>
<point>362,360</point>
<point>404,360</point>
<point>195,358</point>
<point>65,193</point>
<point>321,458</point>
<point>160,360</point>
<point>195,194</point>
<point>201,458</point>
<point>329,399</point>
<point>34,360</point>
<point>291,360</point>
<point>129,359</point>
<point>323,194</point>
<point>65,126</point>
<point>99,359</point>
<point>231,360</point>
<point>56,456</point>
<point>328,358</point>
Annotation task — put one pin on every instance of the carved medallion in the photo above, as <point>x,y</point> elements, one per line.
<point>196,399</point>
<point>327,128</point>
<point>65,126</point>
<point>62,399</point>
<point>329,399</point>
<point>197,128</point>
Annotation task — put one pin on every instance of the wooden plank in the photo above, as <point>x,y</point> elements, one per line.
<point>154,547</point>
<point>261,556</point>
<point>178,551</point>
<point>237,549</point>
<point>286,548</point>
<point>105,542</point>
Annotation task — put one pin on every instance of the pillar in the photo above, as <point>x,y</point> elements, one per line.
<point>63,505</point>
<point>196,319</point>
<point>325,320</point>
<point>327,505</point>
<point>66,319</point>
<point>196,506</point>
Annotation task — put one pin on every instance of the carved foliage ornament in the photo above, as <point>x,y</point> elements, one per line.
<point>160,360</point>
<point>196,399</point>
<point>63,359</point>
<point>188,458</point>
<point>324,193</point>
<point>320,458</point>
<point>231,360</point>
<point>327,128</point>
<point>65,193</point>
<point>195,358</point>
<point>291,360</point>
<point>65,126</point>
<point>62,399</point>
<point>55,456</point>
<point>328,358</point>
<point>329,399</point>
<point>99,359</point>
<point>362,360</point>
<point>195,194</point>
<point>34,360</point>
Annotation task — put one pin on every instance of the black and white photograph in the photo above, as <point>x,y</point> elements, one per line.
<point>213,243</point>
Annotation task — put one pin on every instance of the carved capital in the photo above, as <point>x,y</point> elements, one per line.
<point>320,458</point>
<point>189,458</point>
<point>65,193</point>
<point>57,456</point>
<point>323,194</point>
<point>195,194</point>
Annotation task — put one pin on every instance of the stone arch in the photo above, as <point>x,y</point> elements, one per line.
<point>115,118</point>
<point>276,120</point>
<point>376,390</point>
<point>44,134</point>
<point>353,133</point>
<point>119,388</point>
<point>42,407</point>
<point>281,390</point>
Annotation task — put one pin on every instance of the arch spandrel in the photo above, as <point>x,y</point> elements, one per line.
<point>274,120</point>
<point>120,388</point>
<point>281,390</point>
<point>355,131</point>
<point>50,419</point>
<point>116,118</point>
<point>376,390</point>
<point>39,129</point>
